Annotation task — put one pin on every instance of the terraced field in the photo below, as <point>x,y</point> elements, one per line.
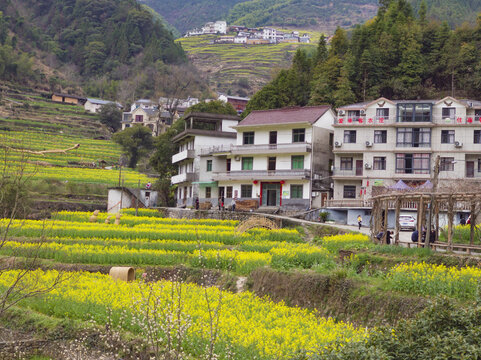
<point>226,64</point>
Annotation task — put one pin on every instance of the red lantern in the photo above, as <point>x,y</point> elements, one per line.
<point>255,182</point>
<point>282,182</point>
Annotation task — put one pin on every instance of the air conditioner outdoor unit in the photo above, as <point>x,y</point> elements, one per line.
<point>458,144</point>
<point>237,158</point>
<point>368,143</point>
<point>367,166</point>
<point>337,144</point>
<point>341,112</point>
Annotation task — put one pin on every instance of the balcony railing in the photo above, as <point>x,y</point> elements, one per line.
<point>268,148</point>
<point>344,172</point>
<point>183,155</point>
<point>363,120</point>
<point>459,120</point>
<point>185,177</point>
<point>262,174</point>
<point>369,121</point>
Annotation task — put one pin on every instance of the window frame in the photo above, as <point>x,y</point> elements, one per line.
<point>447,136</point>
<point>350,136</point>
<point>299,135</point>
<point>208,192</point>
<point>271,160</point>
<point>297,162</point>
<point>247,163</point>
<point>346,163</point>
<point>477,137</point>
<point>407,112</point>
<point>446,164</point>
<point>246,191</point>
<point>208,165</point>
<point>423,158</point>
<point>248,137</point>
<point>272,137</point>
<point>380,136</point>
<point>350,190</point>
<point>297,191</point>
<point>412,134</point>
<point>379,163</point>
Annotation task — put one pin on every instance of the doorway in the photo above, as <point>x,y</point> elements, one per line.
<point>271,194</point>
<point>469,169</point>
<point>359,164</point>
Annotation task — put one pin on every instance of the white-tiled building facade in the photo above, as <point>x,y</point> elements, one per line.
<point>381,142</point>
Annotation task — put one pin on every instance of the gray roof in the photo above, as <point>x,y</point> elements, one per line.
<point>102,102</point>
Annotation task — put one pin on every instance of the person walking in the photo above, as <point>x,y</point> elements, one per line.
<point>196,203</point>
<point>359,221</point>
<point>233,204</point>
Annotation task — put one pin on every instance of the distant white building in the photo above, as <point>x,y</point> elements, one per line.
<point>144,104</point>
<point>218,27</point>
<point>269,34</point>
<point>240,39</point>
<point>94,105</point>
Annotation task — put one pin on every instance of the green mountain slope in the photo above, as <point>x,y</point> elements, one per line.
<point>95,44</point>
<point>189,14</point>
<point>315,14</point>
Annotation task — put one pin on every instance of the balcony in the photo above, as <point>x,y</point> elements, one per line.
<point>263,175</point>
<point>271,148</point>
<point>183,155</point>
<point>185,177</point>
<point>363,121</point>
<point>459,120</point>
<point>343,173</point>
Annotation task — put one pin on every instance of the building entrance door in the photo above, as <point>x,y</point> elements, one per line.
<point>470,169</point>
<point>358,167</point>
<point>271,194</point>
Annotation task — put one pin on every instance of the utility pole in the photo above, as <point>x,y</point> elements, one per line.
<point>433,192</point>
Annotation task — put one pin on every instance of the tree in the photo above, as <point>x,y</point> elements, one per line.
<point>135,141</point>
<point>322,52</point>
<point>111,116</point>
<point>213,107</point>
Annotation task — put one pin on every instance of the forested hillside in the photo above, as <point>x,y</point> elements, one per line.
<point>111,48</point>
<point>396,55</point>
<point>324,15</point>
<point>189,14</point>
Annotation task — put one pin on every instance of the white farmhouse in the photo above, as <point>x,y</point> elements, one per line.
<point>94,105</point>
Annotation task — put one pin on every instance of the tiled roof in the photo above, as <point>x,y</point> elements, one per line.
<point>308,114</point>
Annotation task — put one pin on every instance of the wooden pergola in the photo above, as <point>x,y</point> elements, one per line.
<point>428,206</point>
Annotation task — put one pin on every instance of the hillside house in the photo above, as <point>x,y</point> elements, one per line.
<point>94,105</point>
<point>68,99</point>
<point>281,158</point>
<point>239,103</point>
<point>202,132</point>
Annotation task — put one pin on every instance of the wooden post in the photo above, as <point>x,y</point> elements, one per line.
<point>398,211</point>
<point>386,218</point>
<point>420,220</point>
<point>450,222</point>
<point>472,224</point>
<point>437,219</point>
<point>137,201</point>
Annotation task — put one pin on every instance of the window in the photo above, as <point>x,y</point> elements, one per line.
<point>247,163</point>
<point>346,163</point>
<point>228,193</point>
<point>477,136</point>
<point>296,191</point>
<point>446,164</point>
<point>297,162</point>
<point>248,138</point>
<point>380,136</point>
<point>350,136</point>
<point>414,112</point>
<point>271,164</point>
<point>447,136</point>
<point>413,164</point>
<point>227,165</point>
<point>208,192</point>
<point>139,118</point>
<point>246,191</point>
<point>382,113</point>
<point>449,113</point>
<point>298,135</point>
<point>349,191</point>
<point>209,165</point>
<point>354,114</point>
<point>379,163</point>
<point>272,137</point>
<point>331,140</point>
<point>413,137</point>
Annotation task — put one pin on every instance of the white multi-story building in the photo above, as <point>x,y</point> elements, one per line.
<point>281,158</point>
<point>378,143</point>
<point>269,34</point>
<point>202,133</point>
<point>218,27</point>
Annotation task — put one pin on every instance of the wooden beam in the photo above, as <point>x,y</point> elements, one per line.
<point>450,222</point>
<point>396,216</point>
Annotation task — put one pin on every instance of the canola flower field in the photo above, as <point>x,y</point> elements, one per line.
<point>251,327</point>
<point>148,240</point>
<point>72,166</point>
